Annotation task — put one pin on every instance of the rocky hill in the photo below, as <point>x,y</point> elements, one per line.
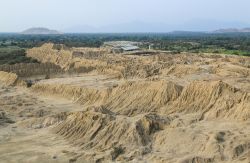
<point>233,30</point>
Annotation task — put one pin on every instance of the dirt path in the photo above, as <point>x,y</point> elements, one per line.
<point>21,144</point>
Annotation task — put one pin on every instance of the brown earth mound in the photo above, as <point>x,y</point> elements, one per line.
<point>121,137</point>
<point>214,99</point>
<point>10,79</point>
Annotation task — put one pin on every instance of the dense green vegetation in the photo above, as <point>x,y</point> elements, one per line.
<point>231,43</point>
<point>13,55</point>
<point>236,44</point>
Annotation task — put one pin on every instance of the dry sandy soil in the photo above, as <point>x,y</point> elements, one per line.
<point>87,105</point>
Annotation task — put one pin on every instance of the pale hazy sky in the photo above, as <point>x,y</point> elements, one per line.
<point>17,15</point>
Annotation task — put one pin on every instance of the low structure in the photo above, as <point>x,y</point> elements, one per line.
<point>122,46</point>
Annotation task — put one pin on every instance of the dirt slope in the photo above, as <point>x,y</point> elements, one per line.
<point>32,69</point>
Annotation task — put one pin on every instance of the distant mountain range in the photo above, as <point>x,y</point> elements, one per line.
<point>131,29</point>
<point>233,30</point>
<point>40,31</point>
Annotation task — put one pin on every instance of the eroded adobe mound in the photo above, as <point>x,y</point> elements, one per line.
<point>129,108</point>
<point>10,79</point>
<point>121,137</point>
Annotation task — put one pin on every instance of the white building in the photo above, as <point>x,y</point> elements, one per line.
<point>122,46</point>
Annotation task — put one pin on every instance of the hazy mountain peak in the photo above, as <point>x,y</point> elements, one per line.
<point>233,30</point>
<point>40,31</point>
